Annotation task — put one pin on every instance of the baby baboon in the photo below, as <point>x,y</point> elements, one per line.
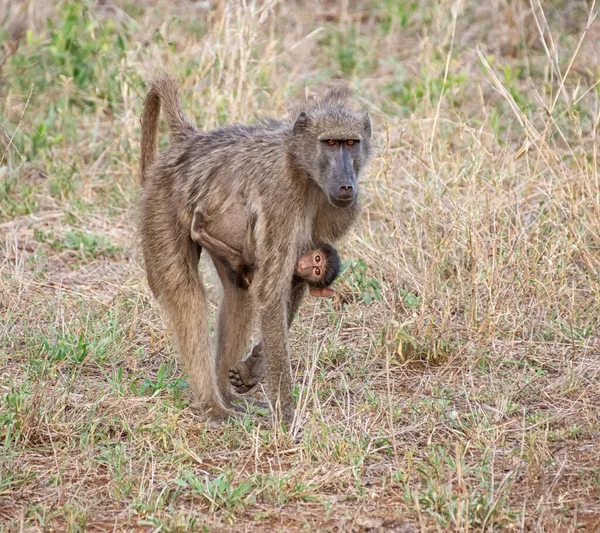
<point>319,267</point>
<point>298,181</point>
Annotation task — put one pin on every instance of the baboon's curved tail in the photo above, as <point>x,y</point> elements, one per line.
<point>163,90</point>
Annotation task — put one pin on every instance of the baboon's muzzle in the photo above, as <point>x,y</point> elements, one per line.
<point>342,191</point>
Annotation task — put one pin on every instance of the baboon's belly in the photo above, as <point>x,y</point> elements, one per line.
<point>230,228</point>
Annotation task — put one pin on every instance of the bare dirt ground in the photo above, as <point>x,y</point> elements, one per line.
<point>452,383</point>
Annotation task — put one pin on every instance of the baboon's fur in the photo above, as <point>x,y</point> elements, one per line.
<point>285,177</point>
<point>211,235</point>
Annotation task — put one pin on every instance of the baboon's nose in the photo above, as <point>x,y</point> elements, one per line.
<point>346,191</point>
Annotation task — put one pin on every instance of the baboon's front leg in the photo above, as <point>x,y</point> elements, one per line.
<point>248,373</point>
<point>276,352</point>
<point>273,285</point>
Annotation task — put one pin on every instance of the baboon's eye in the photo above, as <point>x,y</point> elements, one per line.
<point>349,143</point>
<point>317,271</point>
<point>330,142</point>
<point>318,258</point>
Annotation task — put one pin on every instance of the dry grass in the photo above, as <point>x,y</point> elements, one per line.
<point>452,384</point>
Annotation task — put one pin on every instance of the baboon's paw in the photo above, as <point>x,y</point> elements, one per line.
<point>247,373</point>
<point>218,414</point>
<point>241,378</point>
<point>239,408</point>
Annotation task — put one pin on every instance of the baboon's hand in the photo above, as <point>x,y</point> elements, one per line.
<point>322,292</point>
<point>199,219</point>
<point>243,282</point>
<point>243,279</point>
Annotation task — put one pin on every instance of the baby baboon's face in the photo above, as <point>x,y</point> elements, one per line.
<point>311,266</point>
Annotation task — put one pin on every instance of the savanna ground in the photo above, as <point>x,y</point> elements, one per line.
<point>453,381</point>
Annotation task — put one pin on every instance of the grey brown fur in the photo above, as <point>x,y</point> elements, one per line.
<point>235,227</point>
<point>300,193</point>
<point>214,233</point>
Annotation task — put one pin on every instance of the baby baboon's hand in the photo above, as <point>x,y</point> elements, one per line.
<point>322,292</point>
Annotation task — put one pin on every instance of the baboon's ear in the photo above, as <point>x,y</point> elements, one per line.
<point>301,123</point>
<point>367,125</point>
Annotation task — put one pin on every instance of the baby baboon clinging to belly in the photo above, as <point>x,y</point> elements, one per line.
<point>299,181</point>
<point>319,267</point>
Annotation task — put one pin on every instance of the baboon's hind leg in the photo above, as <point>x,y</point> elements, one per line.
<point>171,261</point>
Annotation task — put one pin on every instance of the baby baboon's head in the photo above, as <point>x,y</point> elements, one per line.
<point>320,267</point>
<point>332,143</point>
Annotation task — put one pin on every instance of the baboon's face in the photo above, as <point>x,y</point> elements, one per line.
<point>311,266</point>
<point>334,149</point>
<point>337,160</point>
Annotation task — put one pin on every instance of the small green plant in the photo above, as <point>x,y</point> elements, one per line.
<point>164,380</point>
<point>79,62</point>
<point>220,492</point>
<point>395,14</point>
<point>117,381</point>
<point>410,93</point>
<point>439,498</point>
<point>116,459</point>
<point>16,198</point>
<point>429,346</point>
<point>367,288</point>
<point>511,79</point>
<point>174,522</point>
<point>84,51</point>
<point>348,50</point>
<point>89,245</point>
<point>335,355</point>
<point>410,299</point>
<point>14,407</point>
<point>73,347</point>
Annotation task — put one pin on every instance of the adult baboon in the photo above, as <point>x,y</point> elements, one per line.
<point>296,178</point>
